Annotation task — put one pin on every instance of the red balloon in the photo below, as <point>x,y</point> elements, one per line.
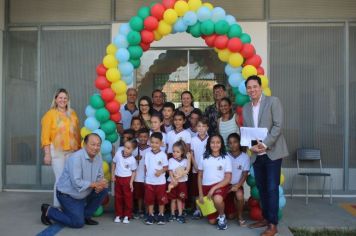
<point>168,3</point>
<point>102,83</point>
<point>247,50</point>
<point>210,40</point>
<point>256,213</point>
<point>145,47</point>
<point>107,94</point>
<point>234,45</point>
<point>157,11</point>
<point>116,117</point>
<point>221,41</point>
<point>260,70</point>
<point>253,203</point>
<point>106,200</point>
<point>255,60</point>
<point>150,23</point>
<point>147,36</point>
<point>113,106</point>
<point>239,110</point>
<point>241,120</point>
<point>101,70</point>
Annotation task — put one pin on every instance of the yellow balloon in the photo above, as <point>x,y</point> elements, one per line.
<point>208,5</point>
<point>119,87</point>
<point>264,81</point>
<point>113,75</point>
<point>249,152</point>
<point>181,7</point>
<point>236,59</point>
<point>82,143</point>
<point>106,167</point>
<point>217,50</point>
<point>164,28</point>
<point>107,176</point>
<point>194,4</point>
<point>157,35</point>
<point>122,98</point>
<point>248,70</point>
<point>110,61</point>
<point>267,92</point>
<point>281,182</point>
<point>84,131</point>
<point>170,16</point>
<point>111,49</point>
<point>224,55</point>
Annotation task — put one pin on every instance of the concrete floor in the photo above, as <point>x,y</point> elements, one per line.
<point>20,215</point>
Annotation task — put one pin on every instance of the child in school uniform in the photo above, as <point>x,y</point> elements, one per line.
<point>136,124</point>
<point>240,162</point>
<point>214,178</point>
<point>156,165</point>
<point>157,126</point>
<point>194,117</point>
<point>123,172</point>
<point>168,111</point>
<point>179,167</point>
<point>178,133</point>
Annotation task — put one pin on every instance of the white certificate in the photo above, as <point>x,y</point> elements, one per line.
<point>248,134</point>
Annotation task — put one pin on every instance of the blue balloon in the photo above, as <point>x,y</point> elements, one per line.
<point>179,26</point>
<point>190,18</point>
<point>282,202</point>
<point>126,68</point>
<point>92,123</point>
<point>100,133</point>
<point>106,147</point>
<point>120,41</point>
<point>127,79</point>
<point>235,79</point>
<point>122,55</point>
<point>281,191</point>
<point>107,158</point>
<point>229,70</point>
<point>90,111</point>
<point>252,171</point>
<point>125,29</point>
<point>242,88</point>
<point>218,14</point>
<point>204,13</point>
<point>230,19</point>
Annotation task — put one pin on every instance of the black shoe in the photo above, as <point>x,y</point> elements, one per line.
<point>89,221</point>
<point>44,219</point>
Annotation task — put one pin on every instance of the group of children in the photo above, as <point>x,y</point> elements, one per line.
<point>172,164</point>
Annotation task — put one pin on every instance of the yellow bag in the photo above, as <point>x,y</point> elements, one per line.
<point>207,207</point>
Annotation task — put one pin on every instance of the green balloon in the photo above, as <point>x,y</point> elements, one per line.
<point>143,12</point>
<point>194,30</point>
<point>235,31</point>
<point>207,27</point>
<point>241,99</point>
<point>245,38</point>
<point>254,193</point>
<point>235,90</point>
<point>222,27</point>
<point>136,23</point>
<point>108,127</point>
<point>136,63</point>
<point>102,115</point>
<point>251,181</point>
<point>96,101</point>
<point>134,38</point>
<point>280,214</point>
<point>135,52</point>
<point>113,137</point>
<point>152,4</point>
<point>99,211</point>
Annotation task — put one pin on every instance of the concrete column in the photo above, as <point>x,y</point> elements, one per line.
<point>2,28</point>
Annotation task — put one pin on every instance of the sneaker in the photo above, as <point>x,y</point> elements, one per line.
<point>149,220</point>
<point>126,220</point>
<point>172,218</point>
<point>196,215</point>
<point>117,219</point>
<point>136,216</point>
<point>181,219</point>
<point>161,220</point>
<point>222,224</point>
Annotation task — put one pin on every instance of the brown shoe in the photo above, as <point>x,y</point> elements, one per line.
<point>270,231</point>
<point>258,224</point>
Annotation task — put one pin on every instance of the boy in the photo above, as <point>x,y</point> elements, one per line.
<point>168,110</point>
<point>156,165</point>
<point>194,117</point>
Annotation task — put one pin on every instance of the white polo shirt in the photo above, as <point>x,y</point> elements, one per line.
<point>168,128</point>
<point>239,164</point>
<point>173,164</point>
<point>198,146</point>
<point>164,141</point>
<point>214,169</point>
<point>192,133</point>
<point>173,137</point>
<point>140,171</point>
<point>154,162</point>
<point>124,165</point>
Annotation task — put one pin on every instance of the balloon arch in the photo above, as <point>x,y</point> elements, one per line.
<point>219,30</point>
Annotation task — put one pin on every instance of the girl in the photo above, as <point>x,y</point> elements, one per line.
<point>157,126</point>
<point>145,110</point>
<point>228,122</point>
<point>179,167</point>
<point>123,172</point>
<point>240,162</point>
<point>178,132</point>
<point>213,178</point>
<point>136,124</point>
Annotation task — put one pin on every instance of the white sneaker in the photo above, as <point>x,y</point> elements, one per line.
<point>117,219</point>
<point>126,220</point>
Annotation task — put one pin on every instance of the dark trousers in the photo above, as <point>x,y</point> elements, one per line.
<point>74,211</point>
<point>267,175</point>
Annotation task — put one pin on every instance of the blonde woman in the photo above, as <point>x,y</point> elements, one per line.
<point>60,134</point>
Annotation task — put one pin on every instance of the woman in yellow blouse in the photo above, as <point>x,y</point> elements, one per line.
<point>60,134</point>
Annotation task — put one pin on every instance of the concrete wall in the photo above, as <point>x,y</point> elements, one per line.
<point>2,27</point>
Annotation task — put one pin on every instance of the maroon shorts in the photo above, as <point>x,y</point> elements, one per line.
<point>179,192</point>
<point>155,194</point>
<point>230,207</point>
<point>220,191</point>
<point>139,190</point>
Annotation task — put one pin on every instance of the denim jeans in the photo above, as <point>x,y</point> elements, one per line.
<point>267,175</point>
<point>74,211</point>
